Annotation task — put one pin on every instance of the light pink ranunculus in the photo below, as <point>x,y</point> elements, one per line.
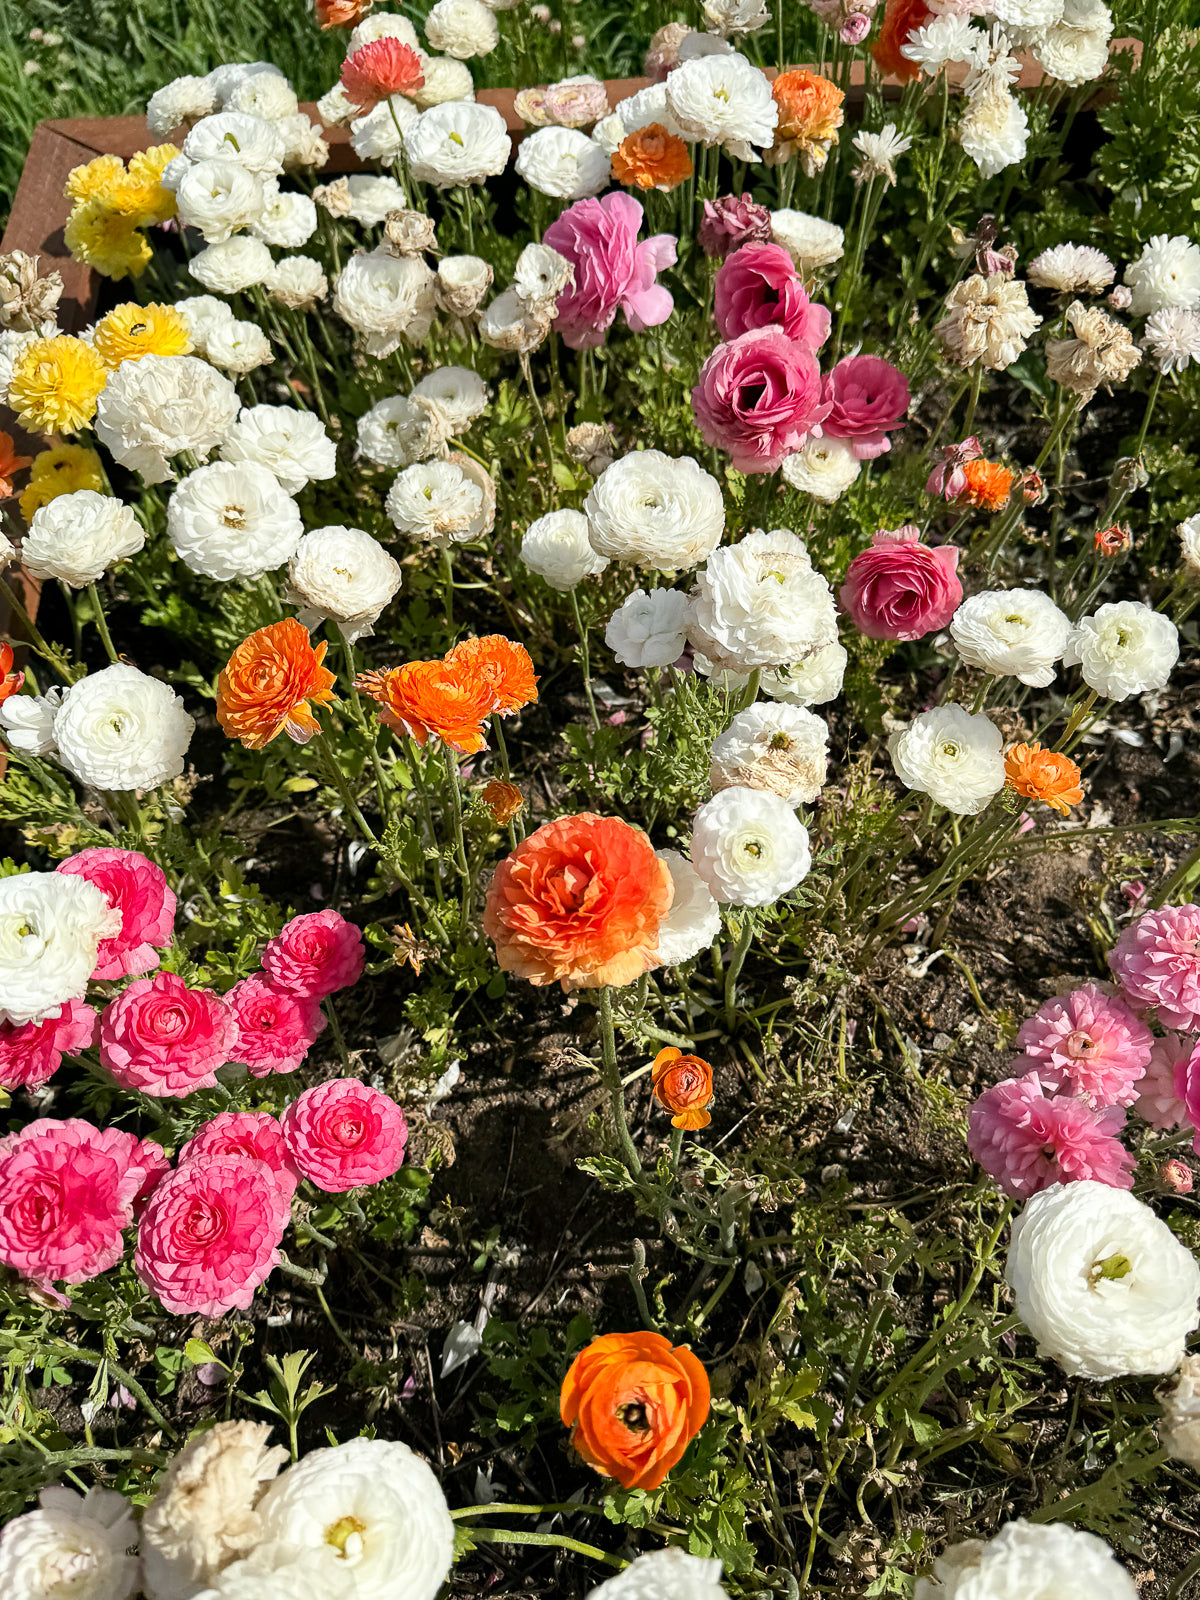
<point>31,1052</point>
<point>276,1027</point>
<point>1087,1043</point>
<point>1157,963</point>
<point>867,397</point>
<point>138,889</point>
<point>901,588</point>
<point>254,1134</point>
<point>1029,1140</point>
<point>759,398</point>
<point>855,28</point>
<point>1159,1101</point>
<point>342,1134</point>
<point>613,272</point>
<point>163,1038</point>
<point>314,954</point>
<point>210,1234</point>
<point>758,287</point>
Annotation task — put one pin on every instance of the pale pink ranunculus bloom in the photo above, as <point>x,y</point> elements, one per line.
<point>1087,1043</point>
<point>1157,963</point>
<point>344,1133</point>
<point>31,1052</point>
<point>613,271</point>
<point>164,1039</point>
<point>1159,1100</point>
<point>276,1026</point>
<point>868,397</point>
<point>254,1134</point>
<point>1187,1087</point>
<point>759,398</point>
<point>315,953</point>
<point>758,287</point>
<point>900,588</point>
<point>1028,1140</point>
<point>136,887</point>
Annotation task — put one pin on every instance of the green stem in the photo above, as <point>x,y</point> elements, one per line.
<point>585,660</point>
<point>338,778</point>
<point>460,843</point>
<point>102,624</point>
<point>736,962</point>
<point>612,1082</point>
<point>558,1540</point>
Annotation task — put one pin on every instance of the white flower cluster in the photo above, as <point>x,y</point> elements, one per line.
<point>405,429</point>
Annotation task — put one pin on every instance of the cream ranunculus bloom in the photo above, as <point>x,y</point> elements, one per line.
<point>343,574</point>
<point>649,510</point>
<point>77,537</point>
<point>120,729</point>
<point>73,1547</point>
<point>749,847</point>
<point>1029,1561</point>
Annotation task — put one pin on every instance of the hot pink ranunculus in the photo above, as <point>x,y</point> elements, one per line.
<point>1157,963</point>
<point>137,888</point>
<point>731,221</point>
<point>759,397</point>
<point>867,398</point>
<point>901,588</point>
<point>315,953</point>
<point>31,1052</point>
<point>254,1134</point>
<point>276,1027</point>
<point>343,1133</point>
<point>163,1038</point>
<point>1087,1043</point>
<point>210,1235</point>
<point>1028,1140</point>
<point>612,270</point>
<point>758,287</point>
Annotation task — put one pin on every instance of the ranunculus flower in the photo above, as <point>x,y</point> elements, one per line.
<point>73,1547</point>
<point>276,1027</point>
<point>579,902</point>
<point>31,1052</point>
<point>1157,963</point>
<point>1029,1140</point>
<point>1087,1043</point>
<point>379,69</point>
<point>633,1402</point>
<point>901,19</point>
<point>343,1133</point>
<point>612,270</point>
<point>732,221</point>
<point>867,398</point>
<point>265,687</point>
<point>758,287</point>
<point>314,954</point>
<point>163,1038</point>
<point>759,398</point>
<point>137,888</point>
<point>901,588</point>
<point>682,1085</point>
<point>256,1135</point>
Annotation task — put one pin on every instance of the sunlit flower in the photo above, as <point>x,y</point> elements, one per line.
<point>1037,774</point>
<point>1027,1139</point>
<point>1027,1558</point>
<point>633,1403</point>
<point>380,69</point>
<point>433,697</point>
<point>132,331</point>
<point>810,114</point>
<point>55,384</point>
<point>954,757</point>
<point>652,158</point>
<point>987,320</point>
<point>270,684</point>
<point>1101,353</point>
<point>749,847</point>
<point>682,1085</point>
<point>879,153</point>
<point>1167,273</point>
<point>1071,269</point>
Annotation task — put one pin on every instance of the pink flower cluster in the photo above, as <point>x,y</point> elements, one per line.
<point>613,272</point>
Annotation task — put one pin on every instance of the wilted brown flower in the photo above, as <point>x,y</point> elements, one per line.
<point>27,302</point>
<point>502,799</point>
<point>1101,353</point>
<point>408,233</point>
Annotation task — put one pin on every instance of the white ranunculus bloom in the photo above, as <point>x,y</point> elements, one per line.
<point>1017,633</point>
<point>540,276</point>
<point>253,142</point>
<point>297,282</point>
<point>437,500</point>
<point>155,408</point>
<point>812,242</point>
<point>288,219</point>
<point>77,537</point>
<point>462,29</point>
<point>218,197</point>
<point>1124,648</point>
<point>724,100</point>
<point>507,323</point>
<point>942,40</point>
<point>238,347</point>
<point>669,1574</point>
<point>456,143</point>
<point>121,729</point>
<point>304,143</point>
<point>202,313</point>
<point>749,847</point>
<point>266,95</point>
<point>556,547</point>
<point>728,17</point>
<point>1071,269</point>
<point>1181,1413</point>
<point>49,935</point>
<point>233,266</point>
<point>646,106</point>
<point>373,196</point>
<point>386,298</point>
<point>458,393</point>
<point>953,756</point>
<point>994,130</point>
<point>694,919</point>
<point>289,442</point>
<point>1167,273</point>
<point>225,79</point>
<point>379,136</point>
<point>811,682</point>
<point>27,721</point>
<point>203,1515</point>
<point>778,747</point>
<point>445,79</point>
<point>383,25</point>
<point>462,283</point>
<point>275,1571</point>
<point>649,630</point>
<point>760,603</point>
<point>648,510</point>
<point>1073,55</point>
<point>378,1505</point>
<point>823,468</point>
<point>336,109</point>
<point>1189,542</point>
<point>399,431</point>
<point>1029,1561</point>
<point>1027,13</point>
<point>233,520</point>
<point>1102,1284</point>
<point>182,101</point>
<point>563,163</point>
<point>1173,338</point>
<point>343,574</point>
<point>73,1547</point>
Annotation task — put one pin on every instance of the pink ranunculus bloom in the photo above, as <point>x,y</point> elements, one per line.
<point>613,272</point>
<point>868,397</point>
<point>732,221</point>
<point>1087,1043</point>
<point>342,1134</point>
<point>1028,1140</point>
<point>31,1052</point>
<point>1187,1087</point>
<point>1159,1101</point>
<point>163,1038</point>
<point>137,888</point>
<point>855,28</point>
<point>948,480</point>
<point>1157,963</point>
<point>759,398</point>
<point>315,953</point>
<point>67,1190</point>
<point>900,588</point>
<point>254,1134</point>
<point>276,1027</point>
<point>758,287</point>
<point>210,1235</point>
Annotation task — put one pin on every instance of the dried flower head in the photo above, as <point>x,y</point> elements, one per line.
<point>27,302</point>
<point>1101,353</point>
<point>987,320</point>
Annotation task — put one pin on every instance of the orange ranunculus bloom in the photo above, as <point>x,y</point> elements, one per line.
<point>633,1402</point>
<point>341,13</point>
<point>900,19</point>
<point>10,464</point>
<point>504,666</point>
<point>424,697</point>
<point>502,799</point>
<point>988,485</point>
<point>10,681</point>
<point>579,903</point>
<point>810,107</point>
<point>652,158</point>
<point>1045,775</point>
<point>683,1086</point>
<point>265,687</point>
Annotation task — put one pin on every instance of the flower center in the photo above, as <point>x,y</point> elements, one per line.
<point>634,1417</point>
<point>234,517</point>
<point>345,1535</point>
<point>1112,1267</point>
<point>1081,1045</point>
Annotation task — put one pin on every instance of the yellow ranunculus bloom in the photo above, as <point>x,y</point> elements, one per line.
<point>95,180</point>
<point>55,384</point>
<point>132,331</point>
<point>106,240</point>
<point>62,469</point>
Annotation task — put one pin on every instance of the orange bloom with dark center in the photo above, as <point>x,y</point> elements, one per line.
<point>10,681</point>
<point>579,903</point>
<point>683,1085</point>
<point>1045,775</point>
<point>633,1403</point>
<point>341,13</point>
<point>504,666</point>
<point>10,464</point>
<point>502,799</point>
<point>901,19</point>
<point>380,69</point>
<point>988,485</point>
<point>652,158</point>
<point>810,107</point>
<point>439,697</point>
<point>267,683</point>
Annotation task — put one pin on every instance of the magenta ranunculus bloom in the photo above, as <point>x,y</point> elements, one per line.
<point>732,221</point>
<point>758,287</point>
<point>613,272</point>
<point>1028,1140</point>
<point>343,1133</point>
<point>900,588</point>
<point>163,1038</point>
<point>31,1052</point>
<point>1157,963</point>
<point>210,1234</point>
<point>1087,1043</point>
<point>276,1027</point>
<point>867,396</point>
<point>759,398</point>
<point>315,953</point>
<point>254,1134</point>
<point>138,889</point>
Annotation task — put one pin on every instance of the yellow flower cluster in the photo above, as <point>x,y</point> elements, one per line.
<point>55,384</point>
<point>113,203</point>
<point>131,331</point>
<point>61,470</point>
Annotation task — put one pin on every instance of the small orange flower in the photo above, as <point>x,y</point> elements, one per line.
<point>10,681</point>
<point>341,13</point>
<point>683,1086</point>
<point>424,697</point>
<point>502,799</point>
<point>1045,775</point>
<point>810,107</point>
<point>1111,541</point>
<point>988,485</point>
<point>504,666</point>
<point>10,464</point>
<point>265,687</point>
<point>633,1403</point>
<point>652,158</point>
<point>901,18</point>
